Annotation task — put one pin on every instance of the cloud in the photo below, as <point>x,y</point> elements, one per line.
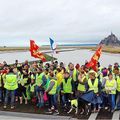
<point>63,20</point>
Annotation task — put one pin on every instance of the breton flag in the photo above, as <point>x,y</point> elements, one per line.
<point>53,45</point>
<point>94,60</point>
<point>34,50</point>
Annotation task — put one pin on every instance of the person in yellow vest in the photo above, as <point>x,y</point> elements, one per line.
<point>94,85</point>
<point>72,71</point>
<point>32,87</point>
<point>81,89</point>
<point>52,94</point>
<point>23,83</point>
<point>115,73</point>
<point>41,82</point>
<point>103,92</point>
<point>1,89</point>
<point>59,77</point>
<point>81,82</point>
<point>67,88</point>
<point>118,92</point>
<point>10,86</point>
<point>110,87</point>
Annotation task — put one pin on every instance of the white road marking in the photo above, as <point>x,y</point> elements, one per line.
<point>93,116</point>
<point>116,115</point>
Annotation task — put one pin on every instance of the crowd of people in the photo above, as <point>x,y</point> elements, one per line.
<point>54,84</point>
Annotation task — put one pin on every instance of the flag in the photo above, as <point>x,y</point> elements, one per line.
<point>34,51</point>
<point>53,45</point>
<point>94,60</point>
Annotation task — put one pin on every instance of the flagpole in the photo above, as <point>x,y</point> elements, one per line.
<point>52,57</point>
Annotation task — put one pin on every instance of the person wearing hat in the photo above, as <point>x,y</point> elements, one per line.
<point>10,86</point>
<point>110,87</point>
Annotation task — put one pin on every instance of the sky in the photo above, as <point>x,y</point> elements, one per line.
<point>65,21</point>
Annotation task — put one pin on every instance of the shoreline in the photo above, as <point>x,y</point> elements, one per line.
<point>46,49</point>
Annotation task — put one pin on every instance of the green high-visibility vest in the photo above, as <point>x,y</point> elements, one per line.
<point>67,86</point>
<point>4,78</point>
<point>54,89</point>
<point>32,88</point>
<point>11,82</point>
<point>93,86</point>
<point>23,81</point>
<point>118,84</point>
<point>0,80</point>
<point>109,84</point>
<point>74,102</point>
<point>74,74</point>
<point>39,79</point>
<point>81,87</point>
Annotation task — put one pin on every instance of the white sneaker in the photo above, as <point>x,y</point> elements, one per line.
<point>5,107</point>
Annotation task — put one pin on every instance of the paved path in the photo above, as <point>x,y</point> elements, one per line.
<point>27,116</point>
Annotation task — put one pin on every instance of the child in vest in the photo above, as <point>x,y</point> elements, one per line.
<point>52,94</point>
<point>110,87</point>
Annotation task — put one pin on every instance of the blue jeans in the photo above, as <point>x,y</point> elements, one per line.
<point>39,94</point>
<point>65,98</point>
<point>10,93</point>
<point>0,93</point>
<point>53,101</point>
<point>118,101</point>
<point>111,100</point>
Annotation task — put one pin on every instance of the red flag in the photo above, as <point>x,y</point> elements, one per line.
<point>94,60</point>
<point>34,51</point>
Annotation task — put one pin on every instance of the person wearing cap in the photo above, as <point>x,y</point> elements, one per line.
<point>93,84</point>
<point>10,86</point>
<point>110,87</point>
<point>67,88</point>
<point>41,82</point>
